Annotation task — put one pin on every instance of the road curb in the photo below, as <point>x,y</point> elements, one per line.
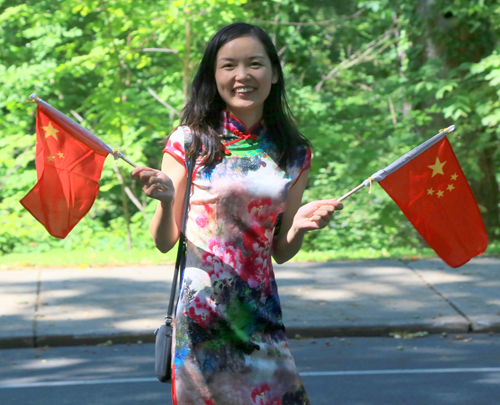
<point>374,330</point>
<point>292,333</point>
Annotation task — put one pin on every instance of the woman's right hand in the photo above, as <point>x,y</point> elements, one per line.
<point>155,183</point>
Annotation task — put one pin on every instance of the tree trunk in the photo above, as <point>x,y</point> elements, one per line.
<point>186,69</point>
<point>487,191</point>
<point>453,42</point>
<point>126,212</point>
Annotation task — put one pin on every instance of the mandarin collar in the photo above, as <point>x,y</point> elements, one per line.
<point>233,124</point>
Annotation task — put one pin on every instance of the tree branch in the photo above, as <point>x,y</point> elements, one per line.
<point>129,192</point>
<point>393,113</point>
<point>309,24</point>
<point>357,57</point>
<point>285,47</point>
<point>305,24</point>
<point>160,50</point>
<point>3,180</point>
<point>163,102</point>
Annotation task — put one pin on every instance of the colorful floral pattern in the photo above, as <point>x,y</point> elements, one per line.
<point>230,345</point>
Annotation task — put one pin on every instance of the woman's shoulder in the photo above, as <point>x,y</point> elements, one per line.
<point>300,158</point>
<point>298,155</point>
<point>298,161</point>
<point>178,141</point>
<point>180,133</point>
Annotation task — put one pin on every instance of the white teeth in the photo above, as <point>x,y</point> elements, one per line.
<point>244,90</point>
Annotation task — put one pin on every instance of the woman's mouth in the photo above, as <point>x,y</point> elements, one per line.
<point>244,90</point>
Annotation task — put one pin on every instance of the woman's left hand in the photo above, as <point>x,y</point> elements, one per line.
<point>316,214</point>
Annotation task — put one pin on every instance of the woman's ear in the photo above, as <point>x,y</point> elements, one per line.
<point>275,77</point>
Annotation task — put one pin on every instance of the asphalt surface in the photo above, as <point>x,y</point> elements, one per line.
<point>450,369</point>
<point>70,306</point>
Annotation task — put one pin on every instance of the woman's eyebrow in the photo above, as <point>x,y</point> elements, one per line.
<point>227,58</point>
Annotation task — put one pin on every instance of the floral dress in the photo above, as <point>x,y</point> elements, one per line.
<point>230,344</point>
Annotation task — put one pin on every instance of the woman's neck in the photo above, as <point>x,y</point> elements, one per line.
<point>248,118</point>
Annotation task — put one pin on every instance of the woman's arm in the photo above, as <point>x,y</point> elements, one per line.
<point>298,220</point>
<point>169,191</point>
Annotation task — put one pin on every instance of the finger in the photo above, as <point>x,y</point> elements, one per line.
<point>149,180</point>
<point>159,186</point>
<point>137,171</point>
<point>317,224</point>
<point>322,223</point>
<point>329,205</point>
<point>156,180</point>
<point>149,173</point>
<point>140,169</point>
<point>326,217</point>
<point>325,208</point>
<point>331,201</point>
<point>312,225</point>
<point>157,192</point>
<point>322,212</point>
<point>145,176</point>
<point>335,203</point>
<point>338,205</point>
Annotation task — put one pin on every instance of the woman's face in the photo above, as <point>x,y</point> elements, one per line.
<point>244,76</point>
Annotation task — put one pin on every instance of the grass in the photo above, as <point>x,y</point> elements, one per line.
<point>85,258</point>
<point>88,258</point>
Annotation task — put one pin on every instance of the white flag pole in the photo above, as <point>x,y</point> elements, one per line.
<point>86,136</point>
<point>382,174</point>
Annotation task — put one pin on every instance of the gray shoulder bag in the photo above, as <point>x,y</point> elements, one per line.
<point>163,341</point>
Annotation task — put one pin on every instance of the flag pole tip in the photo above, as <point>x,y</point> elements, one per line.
<point>34,98</point>
<point>447,130</point>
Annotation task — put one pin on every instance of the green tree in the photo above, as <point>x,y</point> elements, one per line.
<point>367,80</point>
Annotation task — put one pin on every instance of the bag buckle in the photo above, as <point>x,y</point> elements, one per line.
<point>168,320</point>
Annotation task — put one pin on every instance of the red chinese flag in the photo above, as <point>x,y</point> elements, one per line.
<point>68,173</point>
<point>434,194</point>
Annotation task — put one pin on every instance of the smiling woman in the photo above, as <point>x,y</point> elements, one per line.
<point>251,171</point>
<point>244,76</point>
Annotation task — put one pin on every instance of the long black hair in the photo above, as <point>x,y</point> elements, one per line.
<point>203,111</point>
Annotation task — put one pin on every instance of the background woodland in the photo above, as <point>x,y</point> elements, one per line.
<point>367,81</point>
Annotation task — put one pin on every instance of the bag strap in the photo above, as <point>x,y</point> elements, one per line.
<point>180,262</point>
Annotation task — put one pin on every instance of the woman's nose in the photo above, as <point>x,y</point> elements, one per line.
<point>241,73</point>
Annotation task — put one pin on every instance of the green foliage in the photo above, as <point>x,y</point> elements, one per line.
<point>83,258</point>
<point>367,81</point>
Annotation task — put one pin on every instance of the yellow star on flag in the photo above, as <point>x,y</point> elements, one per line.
<point>454,176</point>
<point>440,193</point>
<point>450,187</point>
<point>60,154</point>
<point>437,168</point>
<point>430,191</point>
<point>50,158</point>
<point>50,131</point>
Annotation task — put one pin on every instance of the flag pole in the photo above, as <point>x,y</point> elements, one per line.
<point>90,139</point>
<point>351,192</point>
<point>382,174</point>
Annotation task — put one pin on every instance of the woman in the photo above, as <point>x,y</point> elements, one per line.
<point>251,172</point>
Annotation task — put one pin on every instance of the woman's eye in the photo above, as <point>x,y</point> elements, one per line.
<point>227,65</point>
<point>256,64</point>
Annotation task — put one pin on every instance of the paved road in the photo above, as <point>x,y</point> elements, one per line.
<point>432,370</point>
